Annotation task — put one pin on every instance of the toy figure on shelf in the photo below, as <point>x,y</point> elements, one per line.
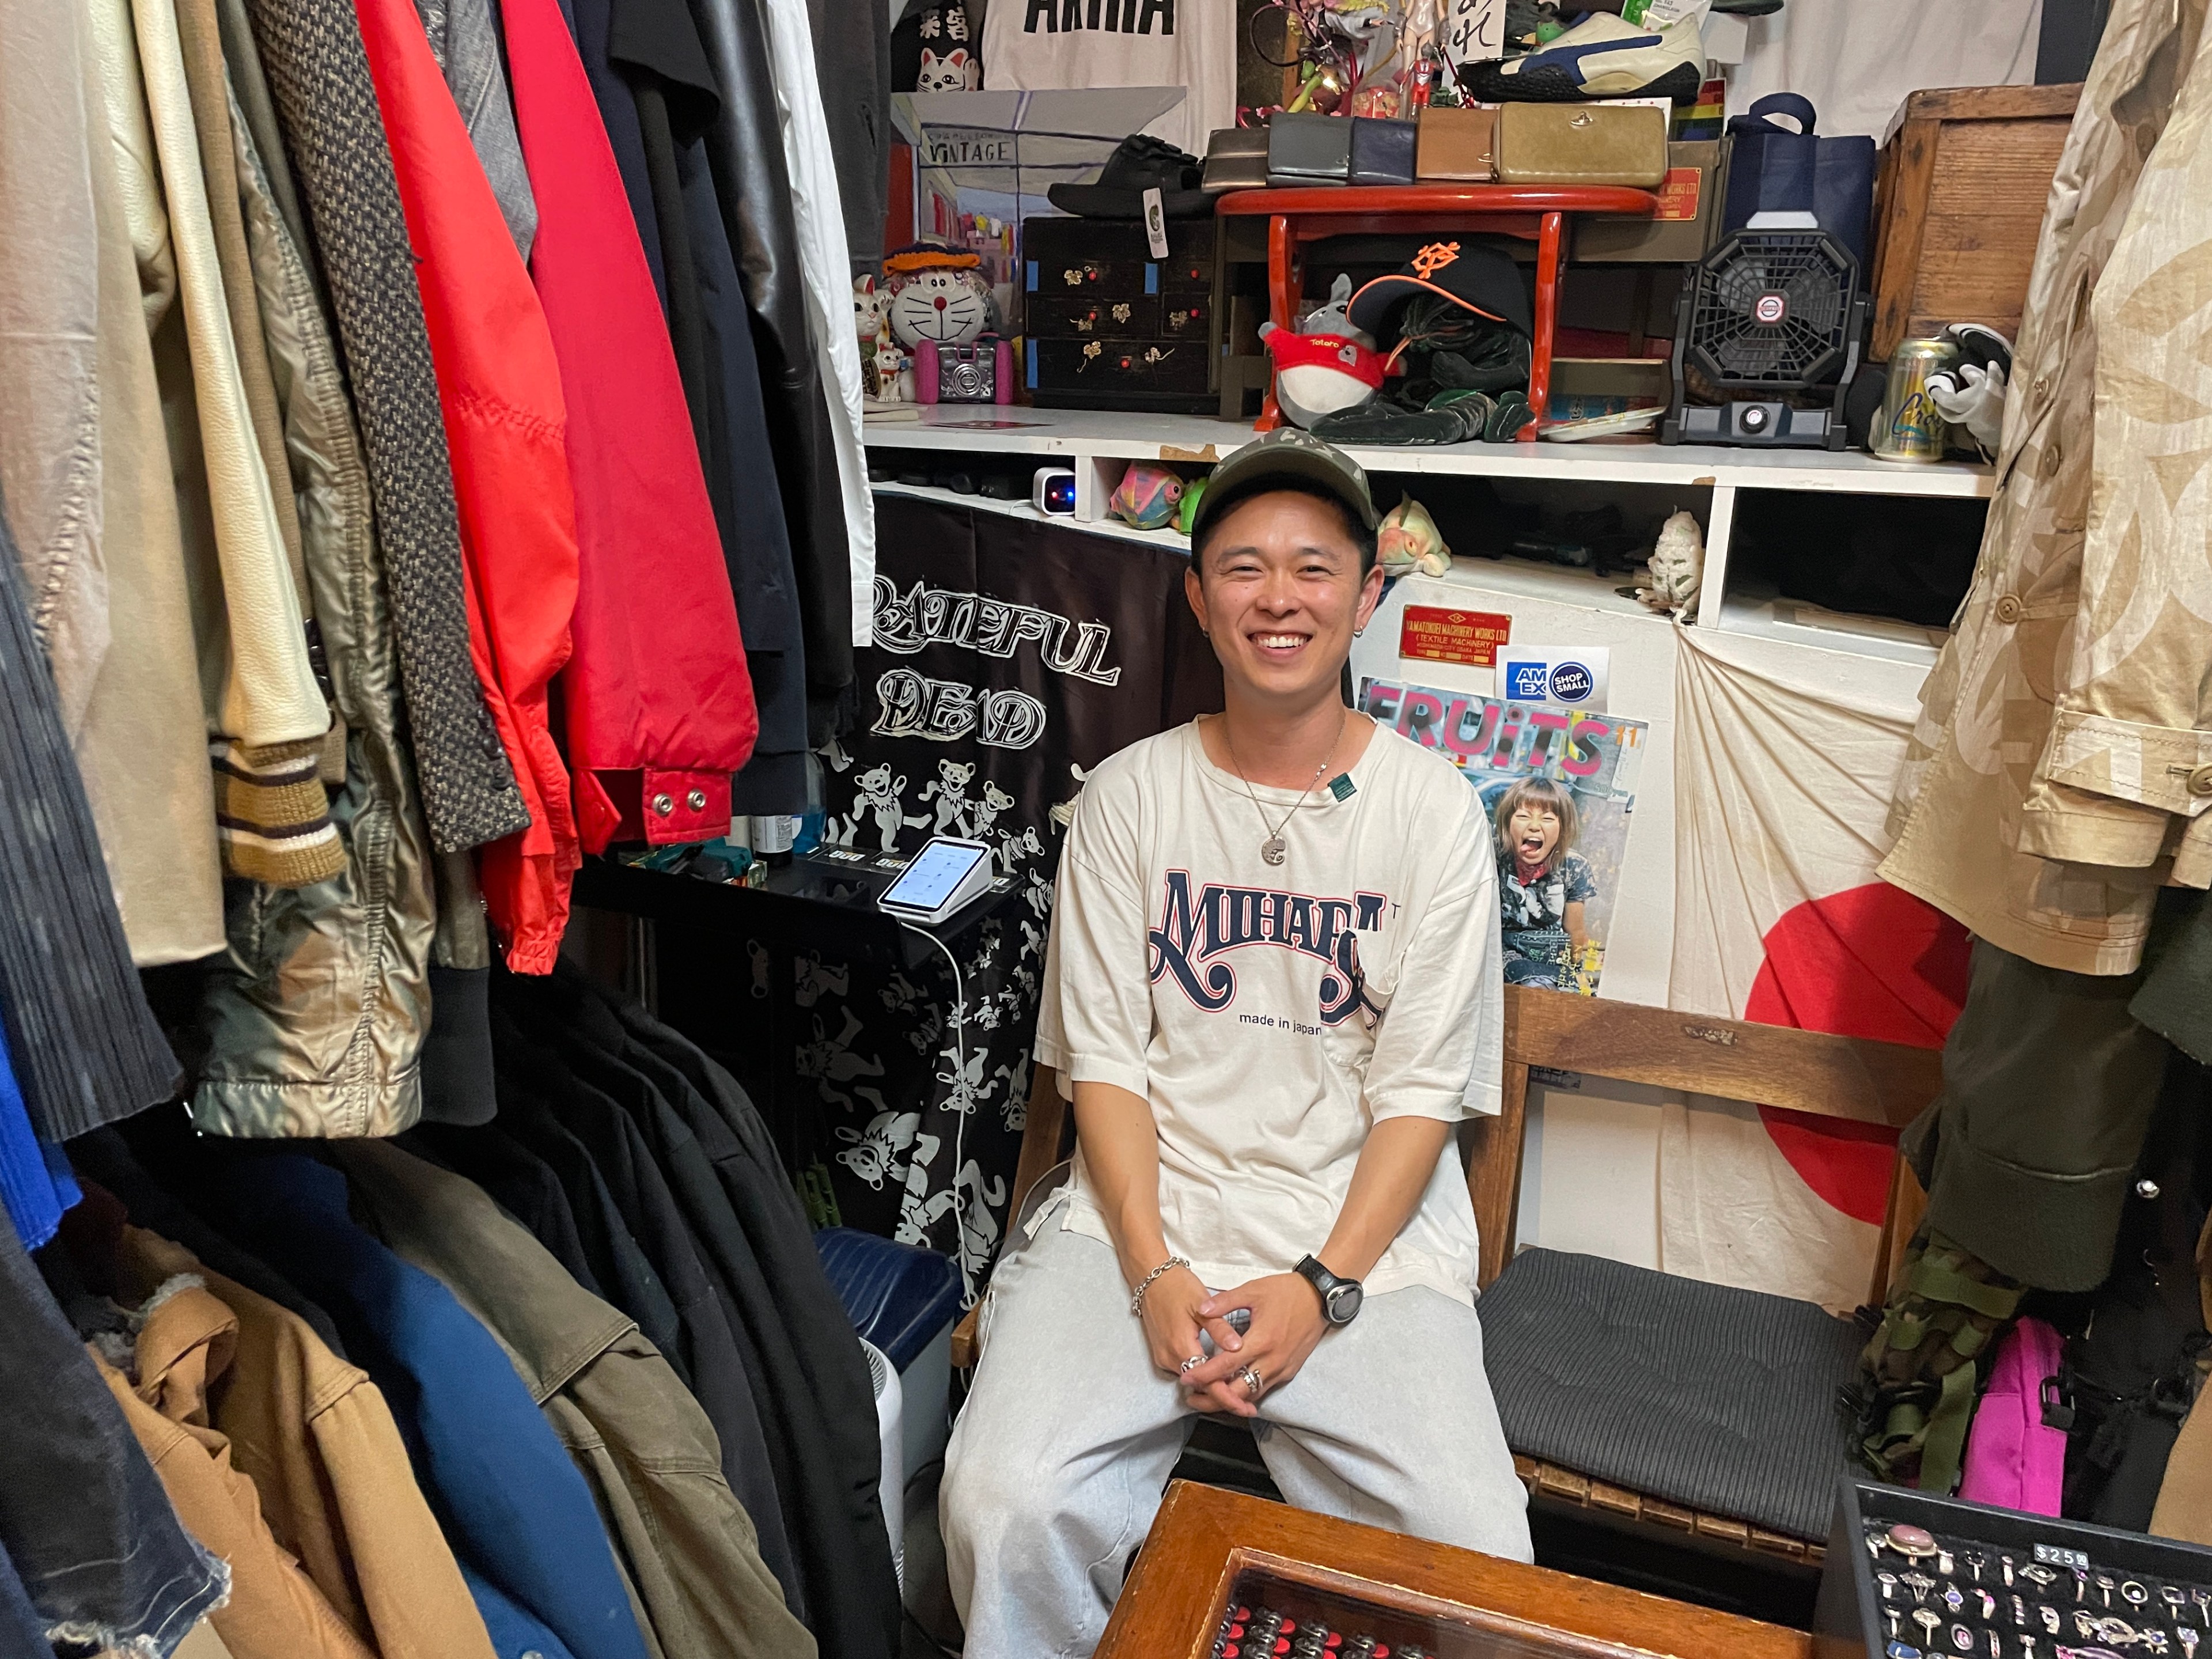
<point>937,294</point>
<point>1147,495</point>
<point>1187,514</point>
<point>868,313</point>
<point>1352,56</point>
<point>1408,541</point>
<point>1326,365</point>
<point>890,375</point>
<point>1678,568</point>
<point>1336,316</point>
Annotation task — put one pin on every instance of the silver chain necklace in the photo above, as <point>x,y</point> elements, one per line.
<point>1275,849</point>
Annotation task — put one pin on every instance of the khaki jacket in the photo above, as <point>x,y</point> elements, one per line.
<point>687,1544</point>
<point>318,1443</point>
<point>2063,717</point>
<point>183,1349</point>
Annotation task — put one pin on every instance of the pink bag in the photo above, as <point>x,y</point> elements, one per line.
<point>2013,1459</point>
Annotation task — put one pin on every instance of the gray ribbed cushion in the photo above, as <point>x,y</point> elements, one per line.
<point>1720,1399</point>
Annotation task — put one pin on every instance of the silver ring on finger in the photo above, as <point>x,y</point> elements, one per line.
<point>1193,1364</point>
<point>1252,1385</point>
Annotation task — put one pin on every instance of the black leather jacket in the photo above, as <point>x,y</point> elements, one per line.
<point>745,147</point>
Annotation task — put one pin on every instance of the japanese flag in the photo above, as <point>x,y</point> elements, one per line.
<point>1786,757</point>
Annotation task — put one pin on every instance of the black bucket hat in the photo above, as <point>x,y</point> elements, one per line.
<point>1140,163</point>
<point>1482,279</point>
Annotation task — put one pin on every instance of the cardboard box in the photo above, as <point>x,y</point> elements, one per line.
<point>1687,223</point>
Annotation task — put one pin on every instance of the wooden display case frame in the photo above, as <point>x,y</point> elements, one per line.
<point>1204,1539</point>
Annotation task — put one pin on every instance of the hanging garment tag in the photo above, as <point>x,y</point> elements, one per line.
<point>1155,223</point>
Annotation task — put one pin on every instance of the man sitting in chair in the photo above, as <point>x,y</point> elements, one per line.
<point>1273,984</point>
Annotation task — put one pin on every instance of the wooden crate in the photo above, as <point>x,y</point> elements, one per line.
<point>1958,202</point>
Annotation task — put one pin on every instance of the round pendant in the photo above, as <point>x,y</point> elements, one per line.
<point>1275,850</point>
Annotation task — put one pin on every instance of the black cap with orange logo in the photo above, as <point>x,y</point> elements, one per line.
<point>1480,278</point>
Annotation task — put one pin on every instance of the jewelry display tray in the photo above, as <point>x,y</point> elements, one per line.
<point>1848,1617</point>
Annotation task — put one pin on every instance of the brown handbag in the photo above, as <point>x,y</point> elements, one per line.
<point>1581,144</point>
<point>1455,144</point>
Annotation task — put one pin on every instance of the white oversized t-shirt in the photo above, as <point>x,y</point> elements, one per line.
<point>1032,46</point>
<point>1273,1013</point>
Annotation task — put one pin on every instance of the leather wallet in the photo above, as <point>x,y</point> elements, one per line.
<point>1456,145</point>
<point>1581,144</point>
<point>1381,151</point>
<point>1305,150</point>
<point>1236,159</point>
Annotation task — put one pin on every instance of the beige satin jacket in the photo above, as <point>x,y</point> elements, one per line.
<point>142,743</point>
<point>2064,721</point>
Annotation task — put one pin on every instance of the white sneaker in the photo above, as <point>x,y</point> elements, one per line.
<point>1602,57</point>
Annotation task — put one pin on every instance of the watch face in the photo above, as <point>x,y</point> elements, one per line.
<point>1344,1304</point>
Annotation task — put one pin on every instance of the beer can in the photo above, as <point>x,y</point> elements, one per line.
<point>1910,427</point>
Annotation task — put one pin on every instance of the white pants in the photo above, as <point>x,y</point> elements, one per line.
<point>1059,1460</point>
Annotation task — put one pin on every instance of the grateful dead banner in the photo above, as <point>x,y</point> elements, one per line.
<point>1011,657</point>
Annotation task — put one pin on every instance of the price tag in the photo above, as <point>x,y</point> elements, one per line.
<point>1156,223</point>
<point>2052,1555</point>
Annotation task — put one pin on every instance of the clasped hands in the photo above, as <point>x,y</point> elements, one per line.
<point>1286,1323</point>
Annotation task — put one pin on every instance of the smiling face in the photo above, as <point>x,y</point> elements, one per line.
<point>1533,832</point>
<point>1278,586</point>
<point>949,306</point>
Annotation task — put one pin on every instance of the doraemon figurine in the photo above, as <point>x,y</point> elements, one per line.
<point>937,294</point>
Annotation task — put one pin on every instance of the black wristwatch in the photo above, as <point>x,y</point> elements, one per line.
<point>1340,1297</point>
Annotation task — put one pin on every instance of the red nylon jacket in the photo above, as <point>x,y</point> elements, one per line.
<point>500,388</point>
<point>657,701</point>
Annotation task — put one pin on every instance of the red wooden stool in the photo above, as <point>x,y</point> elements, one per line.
<point>1532,212</point>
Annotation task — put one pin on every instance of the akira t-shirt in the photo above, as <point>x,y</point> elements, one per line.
<point>1273,1014</point>
<point>1032,46</point>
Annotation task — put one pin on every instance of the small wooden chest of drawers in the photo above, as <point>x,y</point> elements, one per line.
<point>1110,327</point>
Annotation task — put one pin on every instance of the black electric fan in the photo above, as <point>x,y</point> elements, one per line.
<point>1767,314</point>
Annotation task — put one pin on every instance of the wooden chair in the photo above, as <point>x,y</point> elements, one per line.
<point>1720,1559</point>
<point>1772,1065</point>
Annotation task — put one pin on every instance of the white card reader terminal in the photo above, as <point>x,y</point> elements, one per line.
<point>944,877</point>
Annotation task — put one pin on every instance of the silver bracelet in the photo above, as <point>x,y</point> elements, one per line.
<point>1137,1302</point>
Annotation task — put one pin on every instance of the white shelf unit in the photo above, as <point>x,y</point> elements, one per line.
<point>1100,444</point>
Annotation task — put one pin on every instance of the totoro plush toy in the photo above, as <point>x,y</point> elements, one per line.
<point>1335,317</point>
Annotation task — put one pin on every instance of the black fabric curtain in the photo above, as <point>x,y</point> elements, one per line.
<point>1011,657</point>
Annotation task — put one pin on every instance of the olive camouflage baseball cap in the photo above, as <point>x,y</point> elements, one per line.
<point>1292,456</point>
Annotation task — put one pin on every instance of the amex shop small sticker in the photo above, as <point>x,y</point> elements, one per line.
<point>1573,678</point>
<point>1572,681</point>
